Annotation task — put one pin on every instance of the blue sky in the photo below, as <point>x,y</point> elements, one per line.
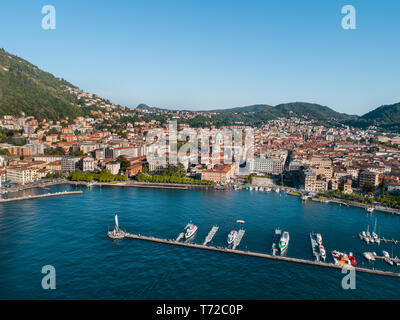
<point>204,54</point>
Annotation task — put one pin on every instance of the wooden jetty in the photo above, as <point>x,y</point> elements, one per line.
<point>238,239</point>
<point>39,196</point>
<point>259,255</point>
<point>275,241</point>
<point>210,235</point>
<point>314,245</point>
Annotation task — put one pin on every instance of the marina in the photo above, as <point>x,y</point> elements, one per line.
<point>258,255</point>
<point>316,242</point>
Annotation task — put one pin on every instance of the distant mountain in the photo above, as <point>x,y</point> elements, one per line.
<point>384,115</point>
<point>252,108</point>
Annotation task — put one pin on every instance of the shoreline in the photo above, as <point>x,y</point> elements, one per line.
<point>176,186</point>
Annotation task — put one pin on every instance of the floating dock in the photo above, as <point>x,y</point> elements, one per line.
<point>275,240</point>
<point>211,235</point>
<point>259,255</point>
<point>180,237</point>
<point>39,196</point>
<point>314,245</point>
<point>238,239</point>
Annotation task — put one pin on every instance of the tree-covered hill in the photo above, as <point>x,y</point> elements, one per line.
<point>24,87</point>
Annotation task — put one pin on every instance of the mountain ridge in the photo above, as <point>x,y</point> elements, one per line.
<point>26,88</point>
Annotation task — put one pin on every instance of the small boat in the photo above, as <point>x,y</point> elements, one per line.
<point>251,188</point>
<point>240,221</point>
<point>386,254</point>
<point>370,209</point>
<point>363,234</point>
<point>284,241</point>
<point>368,256</point>
<point>256,188</point>
<point>190,231</point>
<point>371,239</point>
<point>322,252</point>
<point>336,254</point>
<point>366,239</point>
<point>268,189</point>
<point>232,236</point>
<point>389,261</point>
<point>277,190</point>
<point>319,239</point>
<point>261,189</point>
<point>352,260</point>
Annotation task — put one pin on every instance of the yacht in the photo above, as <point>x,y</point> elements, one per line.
<point>389,261</point>
<point>322,252</point>
<point>284,241</point>
<point>352,260</point>
<point>369,256</point>
<point>370,210</point>
<point>190,231</point>
<point>386,254</point>
<point>232,236</point>
<point>319,239</point>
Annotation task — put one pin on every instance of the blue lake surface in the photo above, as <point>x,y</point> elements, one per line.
<point>70,234</point>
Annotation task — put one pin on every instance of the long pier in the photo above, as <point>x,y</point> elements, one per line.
<point>259,255</point>
<point>39,196</point>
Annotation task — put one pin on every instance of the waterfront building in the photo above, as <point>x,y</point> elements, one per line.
<point>68,164</point>
<point>219,174</point>
<point>86,164</point>
<point>20,174</point>
<point>113,167</point>
<point>367,177</point>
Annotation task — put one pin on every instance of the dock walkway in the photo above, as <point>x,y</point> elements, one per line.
<point>238,239</point>
<point>211,235</point>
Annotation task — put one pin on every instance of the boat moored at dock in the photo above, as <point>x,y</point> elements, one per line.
<point>232,237</point>
<point>284,242</point>
<point>190,231</point>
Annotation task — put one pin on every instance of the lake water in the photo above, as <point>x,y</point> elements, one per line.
<point>69,233</point>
